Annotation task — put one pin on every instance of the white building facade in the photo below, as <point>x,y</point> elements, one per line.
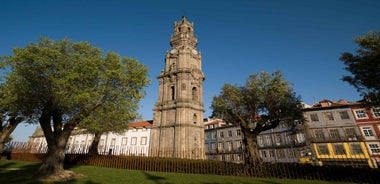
<point>134,140</point>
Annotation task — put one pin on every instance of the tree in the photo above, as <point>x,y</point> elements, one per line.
<point>365,67</point>
<point>114,118</point>
<point>64,84</point>
<point>11,117</point>
<point>261,104</point>
<point>9,123</point>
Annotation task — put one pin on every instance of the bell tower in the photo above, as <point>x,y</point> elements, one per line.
<point>178,129</point>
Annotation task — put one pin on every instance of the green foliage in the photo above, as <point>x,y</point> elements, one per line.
<point>263,102</point>
<point>364,66</point>
<point>75,81</point>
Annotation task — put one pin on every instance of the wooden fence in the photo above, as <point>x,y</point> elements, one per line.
<point>189,166</point>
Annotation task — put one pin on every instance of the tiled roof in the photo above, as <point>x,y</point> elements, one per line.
<point>331,104</point>
<point>141,124</point>
<point>212,122</point>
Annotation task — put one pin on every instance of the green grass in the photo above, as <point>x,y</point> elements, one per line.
<point>21,172</point>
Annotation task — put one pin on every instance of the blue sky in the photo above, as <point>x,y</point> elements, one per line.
<point>303,39</point>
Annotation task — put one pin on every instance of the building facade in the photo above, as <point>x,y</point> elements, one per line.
<point>285,144</point>
<point>368,121</point>
<point>134,140</point>
<point>223,142</point>
<point>333,134</point>
<point>178,113</point>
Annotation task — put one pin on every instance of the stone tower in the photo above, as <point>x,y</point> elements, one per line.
<point>178,129</point>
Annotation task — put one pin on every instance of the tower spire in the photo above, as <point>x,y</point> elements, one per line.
<point>183,34</point>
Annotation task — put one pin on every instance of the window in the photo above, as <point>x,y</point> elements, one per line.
<point>280,153</point>
<point>220,146</point>
<point>113,141</point>
<point>328,116</point>
<point>211,126</point>
<point>124,141</point>
<point>361,114</point>
<point>314,117</point>
<point>319,134</point>
<point>277,139</point>
<point>238,144</point>
<point>334,134</point>
<point>268,140</point>
<point>207,136</point>
<point>214,134</point>
<point>229,133</point>
<point>356,149</point>
<point>376,112</point>
<point>194,93</point>
<point>133,140</point>
<point>288,138</point>
<point>300,137</point>
<point>291,153</point>
<point>143,140</point>
<point>101,144</point>
<point>213,146</point>
<point>323,150</point>
<point>221,134</point>
<point>271,153</point>
<point>260,141</point>
<point>344,115</point>
<point>238,158</point>
<point>350,132</point>
<point>238,132</point>
<point>263,154</point>
<point>195,118</point>
<point>339,149</point>
<point>229,146</point>
<point>375,149</point>
<point>368,132</point>
<point>173,92</point>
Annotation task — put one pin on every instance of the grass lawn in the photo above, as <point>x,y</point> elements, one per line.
<point>21,172</point>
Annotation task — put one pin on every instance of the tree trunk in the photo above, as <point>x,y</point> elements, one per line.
<point>1,148</point>
<point>52,167</point>
<point>7,130</point>
<point>253,161</point>
<point>3,137</point>
<point>250,140</point>
<point>53,164</point>
<point>94,145</point>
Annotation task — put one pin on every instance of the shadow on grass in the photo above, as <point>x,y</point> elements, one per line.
<point>13,172</point>
<point>155,179</point>
<point>22,173</point>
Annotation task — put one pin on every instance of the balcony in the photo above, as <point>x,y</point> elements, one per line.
<point>223,151</point>
<point>336,139</point>
<point>293,144</point>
